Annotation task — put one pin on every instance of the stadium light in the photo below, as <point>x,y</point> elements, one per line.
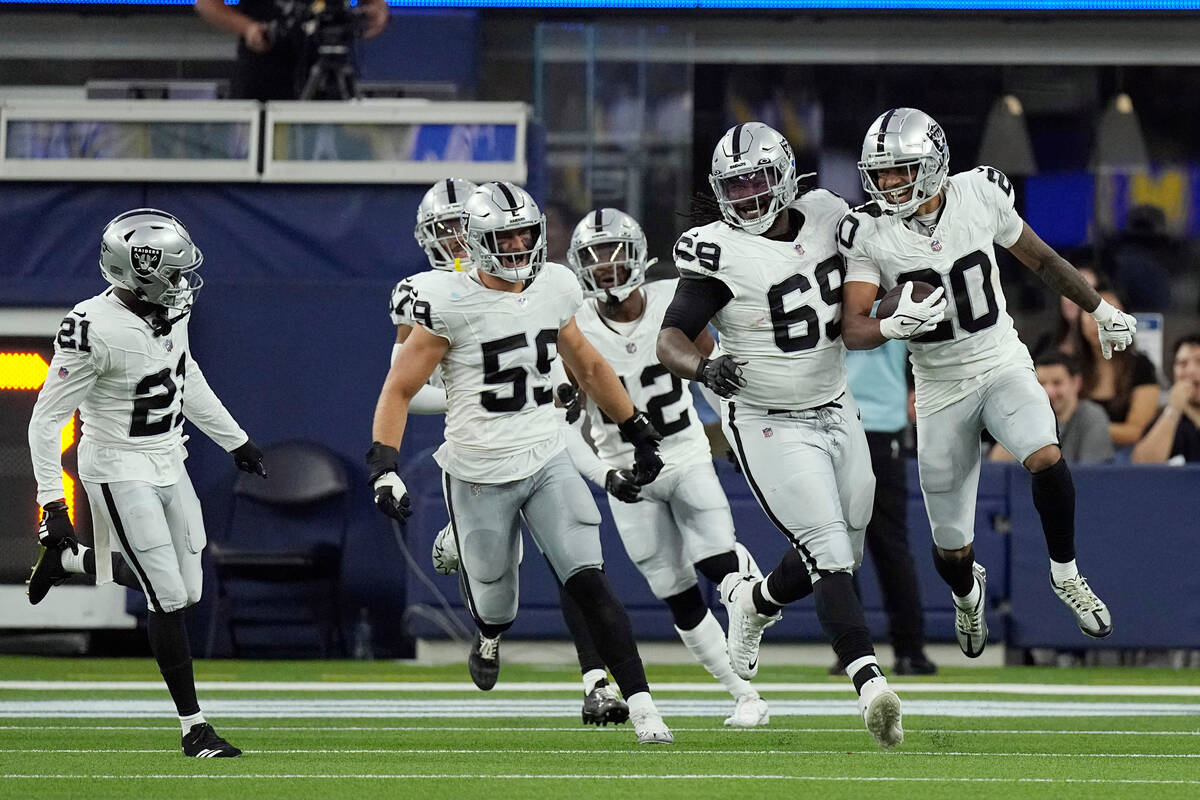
<point>1006,144</point>
<point>1120,145</point>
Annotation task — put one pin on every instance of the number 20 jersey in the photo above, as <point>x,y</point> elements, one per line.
<point>666,398</point>
<point>501,423</point>
<point>785,317</point>
<point>978,333</point>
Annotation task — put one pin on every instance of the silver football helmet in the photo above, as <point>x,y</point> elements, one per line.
<point>505,231</point>
<point>439,224</point>
<point>905,137</point>
<point>753,176</point>
<point>150,253</point>
<point>608,254</point>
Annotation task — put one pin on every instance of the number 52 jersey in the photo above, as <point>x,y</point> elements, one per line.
<point>129,386</point>
<point>978,333</point>
<point>784,318</point>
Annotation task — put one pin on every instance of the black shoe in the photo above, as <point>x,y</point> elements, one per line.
<point>47,572</point>
<point>914,665</point>
<point>602,705</point>
<point>836,668</point>
<point>484,661</point>
<point>202,742</point>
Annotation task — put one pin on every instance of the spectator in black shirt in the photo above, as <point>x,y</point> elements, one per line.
<point>272,69</point>
<point>1176,431</point>
<point>1126,386</point>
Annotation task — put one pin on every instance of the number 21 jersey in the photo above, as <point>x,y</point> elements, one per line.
<point>978,333</point>
<point>784,318</point>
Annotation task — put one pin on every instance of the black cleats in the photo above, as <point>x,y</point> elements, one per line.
<point>484,661</point>
<point>203,742</point>
<point>603,705</point>
<point>914,665</point>
<point>47,572</point>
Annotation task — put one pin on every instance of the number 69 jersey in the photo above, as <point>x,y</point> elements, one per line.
<point>978,333</point>
<point>666,398</point>
<point>785,316</point>
<point>501,423</point>
<point>129,387</point>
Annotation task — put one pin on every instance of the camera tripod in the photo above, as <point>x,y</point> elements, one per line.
<point>331,77</point>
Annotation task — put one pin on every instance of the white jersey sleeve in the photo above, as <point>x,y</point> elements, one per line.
<point>995,192</point>
<point>72,374</point>
<point>860,266</point>
<point>399,306</point>
<point>208,413</point>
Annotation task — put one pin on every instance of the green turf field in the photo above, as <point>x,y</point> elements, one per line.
<point>81,727</point>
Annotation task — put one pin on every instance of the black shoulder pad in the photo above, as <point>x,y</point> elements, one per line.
<point>871,209</point>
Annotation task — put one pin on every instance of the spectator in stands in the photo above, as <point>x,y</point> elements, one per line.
<point>1175,434</point>
<point>1138,259</point>
<point>1082,424</point>
<point>1067,337</point>
<point>877,381</point>
<point>272,65</point>
<point>1126,385</point>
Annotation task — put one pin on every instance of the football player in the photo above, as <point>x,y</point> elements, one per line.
<point>972,372</point>
<point>769,277</point>
<point>681,523</point>
<point>496,332</point>
<point>439,232</point>
<point>122,358</point>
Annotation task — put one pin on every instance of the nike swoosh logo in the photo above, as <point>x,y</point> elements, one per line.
<point>753,663</point>
<point>80,314</point>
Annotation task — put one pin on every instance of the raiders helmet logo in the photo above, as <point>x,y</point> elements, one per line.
<point>145,260</point>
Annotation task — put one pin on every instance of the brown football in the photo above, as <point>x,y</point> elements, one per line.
<point>887,305</point>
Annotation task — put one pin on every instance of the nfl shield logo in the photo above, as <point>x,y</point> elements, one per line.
<point>522,301</point>
<point>799,248</point>
<point>169,345</point>
<point>630,347</point>
<point>63,372</point>
<point>936,246</point>
<point>767,433</point>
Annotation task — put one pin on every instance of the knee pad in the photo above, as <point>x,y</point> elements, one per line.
<point>486,555</point>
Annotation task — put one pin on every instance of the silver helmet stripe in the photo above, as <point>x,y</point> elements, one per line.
<point>737,139</point>
<point>883,131</point>
<point>598,222</point>
<point>508,195</point>
<point>450,191</point>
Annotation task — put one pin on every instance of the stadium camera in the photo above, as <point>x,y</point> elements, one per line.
<point>323,32</point>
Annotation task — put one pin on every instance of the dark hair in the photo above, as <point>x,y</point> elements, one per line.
<point>1057,358</point>
<point>1192,338</point>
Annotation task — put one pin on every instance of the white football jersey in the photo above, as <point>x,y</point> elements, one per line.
<point>666,399</point>
<point>978,333</point>
<point>785,317</point>
<point>501,422</point>
<point>133,390</point>
<point>400,312</point>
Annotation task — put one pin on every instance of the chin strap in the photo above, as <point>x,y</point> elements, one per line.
<point>161,325</point>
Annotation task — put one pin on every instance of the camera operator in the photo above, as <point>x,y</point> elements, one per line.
<point>271,65</point>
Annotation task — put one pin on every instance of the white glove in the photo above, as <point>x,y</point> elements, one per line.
<point>391,496</point>
<point>1115,328</point>
<point>912,318</point>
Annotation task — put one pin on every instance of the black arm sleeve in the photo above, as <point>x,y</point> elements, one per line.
<point>696,301</point>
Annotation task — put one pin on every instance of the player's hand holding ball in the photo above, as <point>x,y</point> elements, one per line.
<point>911,309</point>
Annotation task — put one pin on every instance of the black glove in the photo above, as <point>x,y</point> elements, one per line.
<point>622,484</point>
<point>248,458</point>
<point>722,374</point>
<point>638,431</point>
<point>571,400</point>
<point>391,496</point>
<point>56,531</point>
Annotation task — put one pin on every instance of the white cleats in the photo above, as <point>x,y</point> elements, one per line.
<point>1089,610</point>
<point>969,624</point>
<point>445,552</point>
<point>880,710</point>
<point>746,625</point>
<point>650,728</point>
<point>749,711</point>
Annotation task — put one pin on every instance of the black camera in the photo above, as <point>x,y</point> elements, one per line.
<point>322,33</point>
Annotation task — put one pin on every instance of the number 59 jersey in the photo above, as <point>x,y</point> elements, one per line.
<point>785,315</point>
<point>978,333</point>
<point>666,398</point>
<point>129,387</point>
<point>501,423</point>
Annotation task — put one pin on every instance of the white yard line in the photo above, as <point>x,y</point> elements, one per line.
<point>462,708</point>
<point>705,687</point>
<point>574,777</point>
<point>173,752</point>
<point>583,730</point>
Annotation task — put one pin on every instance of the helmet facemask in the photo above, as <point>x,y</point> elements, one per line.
<point>753,176</point>
<point>904,138</point>
<point>444,243</point>
<point>501,252</point>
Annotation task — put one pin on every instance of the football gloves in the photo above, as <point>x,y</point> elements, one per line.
<point>722,374</point>
<point>622,484</point>
<point>248,458</point>
<point>1114,327</point>
<point>55,532</point>
<point>913,318</point>
<point>639,432</point>
<point>391,496</point>
<point>571,400</point>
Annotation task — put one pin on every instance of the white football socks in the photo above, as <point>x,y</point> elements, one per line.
<point>591,678</point>
<point>641,702</point>
<point>706,642</point>
<point>970,600</point>
<point>1063,572</point>
<point>192,719</point>
<point>73,562</point>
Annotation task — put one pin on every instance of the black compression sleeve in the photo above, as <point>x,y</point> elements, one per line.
<point>696,301</point>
